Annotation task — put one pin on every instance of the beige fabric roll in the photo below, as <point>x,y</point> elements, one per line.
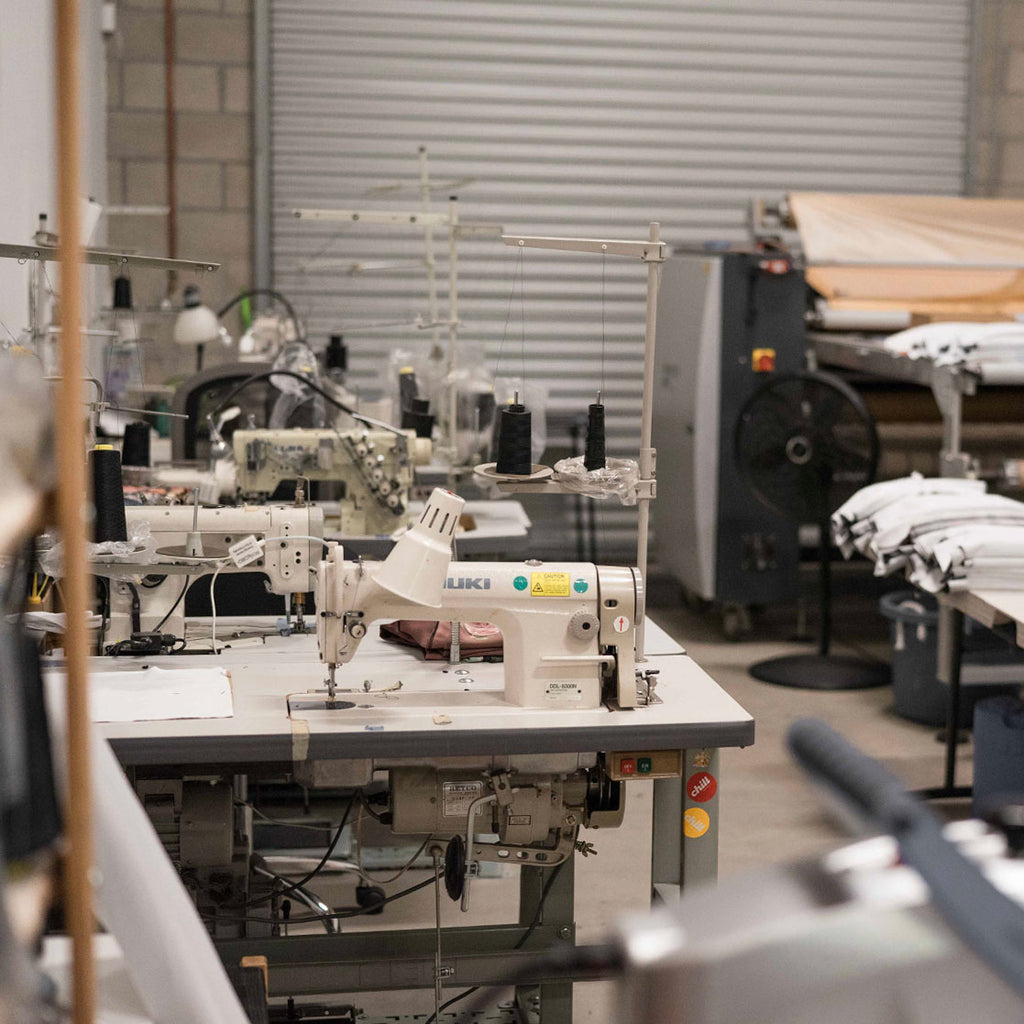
<point>933,255</point>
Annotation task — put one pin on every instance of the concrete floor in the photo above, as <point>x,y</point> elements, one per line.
<point>768,812</point>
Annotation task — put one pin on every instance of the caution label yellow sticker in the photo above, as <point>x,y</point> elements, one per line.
<point>549,584</point>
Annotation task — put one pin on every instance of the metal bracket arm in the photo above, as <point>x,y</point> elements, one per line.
<point>649,252</point>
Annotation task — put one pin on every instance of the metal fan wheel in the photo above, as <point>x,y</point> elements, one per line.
<point>804,443</point>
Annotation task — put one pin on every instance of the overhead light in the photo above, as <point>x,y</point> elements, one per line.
<point>196,324</point>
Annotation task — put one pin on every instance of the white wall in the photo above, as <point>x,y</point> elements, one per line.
<point>28,167</point>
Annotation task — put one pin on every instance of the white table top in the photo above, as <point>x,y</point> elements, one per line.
<point>695,711</point>
<point>990,607</point>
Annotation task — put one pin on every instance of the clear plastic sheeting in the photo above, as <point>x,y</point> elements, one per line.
<point>138,549</point>
<point>618,479</point>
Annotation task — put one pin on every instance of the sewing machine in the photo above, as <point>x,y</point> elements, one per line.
<point>373,468</point>
<point>190,541</point>
<point>569,628</point>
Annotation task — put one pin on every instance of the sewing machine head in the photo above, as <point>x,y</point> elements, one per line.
<point>374,469</point>
<point>568,628</point>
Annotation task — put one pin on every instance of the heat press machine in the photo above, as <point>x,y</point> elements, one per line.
<point>372,468</point>
<point>189,541</point>
<point>569,628</point>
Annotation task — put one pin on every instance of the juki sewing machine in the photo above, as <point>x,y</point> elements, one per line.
<point>373,469</point>
<point>569,629</point>
<point>194,541</point>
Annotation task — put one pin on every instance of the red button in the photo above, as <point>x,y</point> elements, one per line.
<point>627,766</point>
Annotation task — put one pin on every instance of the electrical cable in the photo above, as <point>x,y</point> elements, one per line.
<point>334,915</point>
<point>267,374</point>
<point>523,939</point>
<point>174,607</point>
<point>323,860</point>
<point>595,961</point>
<point>213,607</point>
<point>270,293</point>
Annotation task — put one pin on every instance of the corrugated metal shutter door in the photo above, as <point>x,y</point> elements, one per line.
<point>589,118</point>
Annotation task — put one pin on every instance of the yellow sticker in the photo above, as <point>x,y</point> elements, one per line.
<point>695,822</point>
<point>549,584</point>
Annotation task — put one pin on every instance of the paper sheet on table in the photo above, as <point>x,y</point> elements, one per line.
<point>155,694</point>
<point>937,255</point>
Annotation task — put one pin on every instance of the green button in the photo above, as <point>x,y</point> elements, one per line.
<point>520,583</point>
<point>643,765</point>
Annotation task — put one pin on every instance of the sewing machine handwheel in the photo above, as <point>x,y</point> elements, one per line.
<point>455,867</point>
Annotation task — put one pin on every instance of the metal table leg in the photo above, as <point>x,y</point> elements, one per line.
<point>685,826</point>
<point>950,656</point>
<point>552,1001</point>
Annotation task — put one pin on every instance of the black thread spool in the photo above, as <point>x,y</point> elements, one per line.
<point>107,494</point>
<point>135,450</point>
<point>122,293</point>
<point>515,431</point>
<point>418,417</point>
<point>594,458</point>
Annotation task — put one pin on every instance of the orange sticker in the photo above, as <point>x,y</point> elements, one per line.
<point>695,822</point>
<point>762,360</point>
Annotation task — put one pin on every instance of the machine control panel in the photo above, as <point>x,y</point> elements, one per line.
<point>644,764</point>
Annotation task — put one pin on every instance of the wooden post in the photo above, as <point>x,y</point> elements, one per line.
<point>71,491</point>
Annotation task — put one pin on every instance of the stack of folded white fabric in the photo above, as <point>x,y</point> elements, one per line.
<point>998,346</point>
<point>945,534</point>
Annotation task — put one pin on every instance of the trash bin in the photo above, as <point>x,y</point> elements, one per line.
<point>998,751</point>
<point>918,695</point>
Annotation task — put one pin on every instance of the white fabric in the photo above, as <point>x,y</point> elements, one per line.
<point>944,534</point>
<point>956,342</point>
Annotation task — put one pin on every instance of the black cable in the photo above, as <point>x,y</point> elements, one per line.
<point>334,915</point>
<point>154,581</point>
<point>523,939</point>
<point>595,961</point>
<point>323,860</point>
<point>174,606</point>
<point>136,609</point>
<point>270,293</point>
<point>266,375</point>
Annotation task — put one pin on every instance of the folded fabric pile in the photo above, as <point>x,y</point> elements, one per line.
<point>998,345</point>
<point>945,534</point>
<point>434,639</point>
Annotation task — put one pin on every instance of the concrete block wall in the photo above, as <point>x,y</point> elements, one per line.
<point>997,112</point>
<point>213,105</point>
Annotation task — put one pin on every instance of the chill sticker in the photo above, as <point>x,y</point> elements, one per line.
<point>520,583</point>
<point>695,822</point>
<point>701,787</point>
<point>549,584</point>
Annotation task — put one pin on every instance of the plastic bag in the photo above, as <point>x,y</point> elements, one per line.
<point>138,549</point>
<point>618,478</point>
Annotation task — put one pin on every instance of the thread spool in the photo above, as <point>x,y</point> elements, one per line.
<point>418,417</point>
<point>107,494</point>
<point>594,457</point>
<point>408,389</point>
<point>122,293</point>
<point>515,431</point>
<point>135,450</point>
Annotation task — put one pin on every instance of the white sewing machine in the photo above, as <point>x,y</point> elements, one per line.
<point>569,628</point>
<point>189,541</point>
<point>373,468</point>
